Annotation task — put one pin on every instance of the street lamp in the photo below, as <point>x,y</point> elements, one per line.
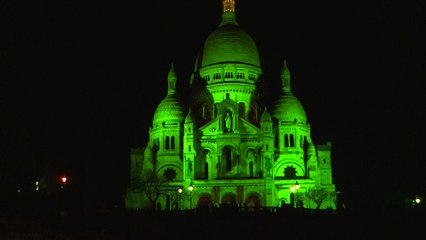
<point>180,190</point>
<point>417,200</point>
<point>297,194</point>
<point>295,188</point>
<point>190,188</point>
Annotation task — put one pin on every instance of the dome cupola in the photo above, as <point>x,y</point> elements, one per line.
<point>189,118</point>
<point>170,109</point>
<point>288,108</point>
<point>266,117</point>
<point>229,43</point>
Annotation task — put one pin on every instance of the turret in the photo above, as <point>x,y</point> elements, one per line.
<point>136,159</point>
<point>171,79</point>
<point>266,121</point>
<point>285,78</point>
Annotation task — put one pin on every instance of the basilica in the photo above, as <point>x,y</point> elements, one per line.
<point>227,146</point>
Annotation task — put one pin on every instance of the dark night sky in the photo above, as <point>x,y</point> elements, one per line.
<point>80,81</point>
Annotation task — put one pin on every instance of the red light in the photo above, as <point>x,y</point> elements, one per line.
<point>64,180</point>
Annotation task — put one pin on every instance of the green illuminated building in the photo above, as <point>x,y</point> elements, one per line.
<point>228,145</point>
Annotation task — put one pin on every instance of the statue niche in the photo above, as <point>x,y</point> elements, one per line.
<point>227,121</point>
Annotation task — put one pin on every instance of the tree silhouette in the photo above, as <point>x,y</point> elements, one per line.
<point>152,188</point>
<point>318,196</point>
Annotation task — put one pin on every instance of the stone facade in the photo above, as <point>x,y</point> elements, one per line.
<point>227,147</point>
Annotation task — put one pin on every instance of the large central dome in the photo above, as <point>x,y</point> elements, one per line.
<point>229,43</point>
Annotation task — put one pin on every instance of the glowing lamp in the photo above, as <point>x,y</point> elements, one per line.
<point>190,188</point>
<point>417,200</point>
<point>64,179</point>
<point>180,190</point>
<point>292,189</point>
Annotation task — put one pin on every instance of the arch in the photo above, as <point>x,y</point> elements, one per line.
<point>206,170</point>
<point>286,140</point>
<point>167,142</point>
<point>227,157</point>
<point>227,121</point>
<point>177,168</point>
<point>253,200</point>
<point>229,198</point>
<point>242,110</point>
<point>202,164</point>
<point>250,153</point>
<point>251,169</point>
<point>282,202</point>
<point>172,143</point>
<point>282,164</point>
<point>205,200</point>
<point>276,141</point>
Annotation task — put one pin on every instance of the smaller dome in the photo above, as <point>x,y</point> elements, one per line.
<point>265,116</point>
<point>170,110</point>
<point>189,118</point>
<point>147,155</point>
<point>288,108</point>
<point>311,148</point>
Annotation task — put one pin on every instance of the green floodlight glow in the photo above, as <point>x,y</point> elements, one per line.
<point>228,141</point>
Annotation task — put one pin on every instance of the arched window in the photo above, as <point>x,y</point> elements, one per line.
<point>189,148</point>
<point>285,140</point>
<point>173,142</point>
<point>241,110</point>
<point>291,140</point>
<point>229,75</point>
<point>228,160</point>
<point>251,76</point>
<point>167,142</point>
<point>206,170</point>
<point>253,113</point>
<point>276,140</point>
<point>251,169</point>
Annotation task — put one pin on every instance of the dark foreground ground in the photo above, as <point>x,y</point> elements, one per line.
<point>218,224</point>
